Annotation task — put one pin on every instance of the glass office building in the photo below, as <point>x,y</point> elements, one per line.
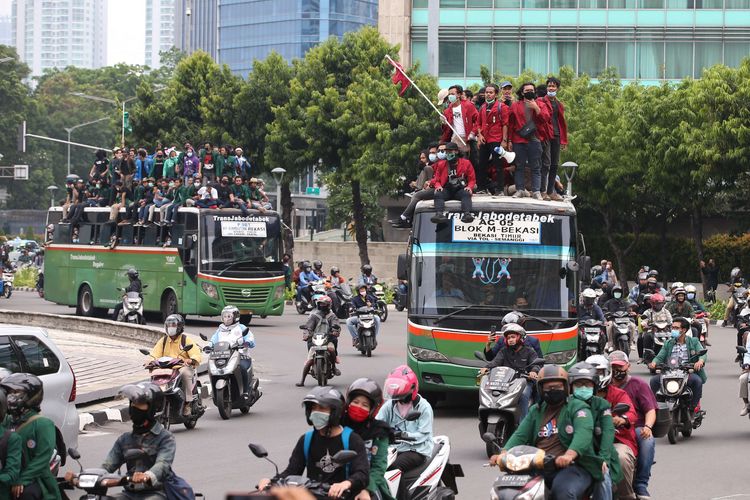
<point>251,29</point>
<point>646,40</point>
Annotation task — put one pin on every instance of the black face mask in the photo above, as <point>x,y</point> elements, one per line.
<point>618,375</point>
<point>529,95</point>
<point>139,418</point>
<point>554,397</point>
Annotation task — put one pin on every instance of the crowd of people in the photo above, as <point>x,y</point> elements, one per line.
<point>143,182</point>
<point>497,141</point>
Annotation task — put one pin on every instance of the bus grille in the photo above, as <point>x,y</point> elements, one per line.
<point>246,296</point>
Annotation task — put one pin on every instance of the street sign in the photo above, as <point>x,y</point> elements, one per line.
<point>21,172</point>
<point>313,191</point>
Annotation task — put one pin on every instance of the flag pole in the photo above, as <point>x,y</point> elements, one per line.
<point>393,63</point>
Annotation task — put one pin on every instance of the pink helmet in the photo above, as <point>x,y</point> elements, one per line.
<point>401,384</point>
<point>657,298</point>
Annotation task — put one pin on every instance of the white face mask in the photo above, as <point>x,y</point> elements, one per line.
<point>171,331</point>
<point>190,153</point>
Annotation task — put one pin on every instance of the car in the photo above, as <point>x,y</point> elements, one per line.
<point>29,349</point>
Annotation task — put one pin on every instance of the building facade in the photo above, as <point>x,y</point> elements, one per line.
<point>251,29</point>
<point>6,30</point>
<point>160,30</point>
<point>645,40</point>
<point>196,26</point>
<point>58,33</point>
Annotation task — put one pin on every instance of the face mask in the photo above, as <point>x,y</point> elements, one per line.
<point>138,417</point>
<point>150,184</point>
<point>98,186</point>
<point>432,157</point>
<point>441,155</point>
<point>319,419</point>
<point>357,413</point>
<point>490,103</point>
<point>617,295</point>
<point>552,93</point>
<point>675,334</point>
<point>583,393</point>
<point>171,184</point>
<point>197,184</point>
<point>452,98</point>
<point>619,375</point>
<point>171,331</point>
<point>190,153</point>
<point>451,156</point>
<point>529,95</point>
<point>554,397</point>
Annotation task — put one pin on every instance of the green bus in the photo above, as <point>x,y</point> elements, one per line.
<point>208,259</point>
<point>518,254</point>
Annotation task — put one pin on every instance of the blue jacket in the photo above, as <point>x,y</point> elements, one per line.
<point>232,334</point>
<point>596,313</point>
<point>306,277</point>
<point>420,429</point>
<point>142,168</point>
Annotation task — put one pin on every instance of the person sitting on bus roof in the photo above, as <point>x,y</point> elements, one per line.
<point>454,180</point>
<point>79,202</point>
<point>192,191</point>
<point>119,197</point>
<point>144,204</point>
<point>131,213</point>
<point>162,200</point>
<point>258,198</point>
<point>208,197</point>
<point>224,191</point>
<point>179,197</point>
<point>240,194</point>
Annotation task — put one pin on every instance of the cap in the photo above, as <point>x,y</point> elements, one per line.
<point>253,179</point>
<point>618,358</point>
<point>506,83</point>
<point>442,95</point>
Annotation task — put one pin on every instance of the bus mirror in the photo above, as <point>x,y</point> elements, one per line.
<point>573,266</point>
<point>187,242</point>
<point>402,266</point>
<point>584,264</point>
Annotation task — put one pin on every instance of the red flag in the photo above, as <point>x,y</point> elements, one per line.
<point>400,78</point>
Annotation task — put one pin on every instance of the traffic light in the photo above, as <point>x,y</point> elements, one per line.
<point>21,142</point>
<point>126,122</point>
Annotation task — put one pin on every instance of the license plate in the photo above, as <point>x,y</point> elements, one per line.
<point>245,311</point>
<point>498,386</point>
<point>514,480</point>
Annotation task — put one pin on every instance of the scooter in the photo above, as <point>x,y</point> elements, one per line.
<point>621,323</point>
<point>500,393</point>
<point>319,358</point>
<point>165,373</point>
<point>302,304</point>
<point>344,295</point>
<point>743,327</point>
<point>366,331</point>
<point>740,301</point>
<point>39,285</point>
<point>96,482</point>
<point>700,325</point>
<point>8,278</point>
<point>226,378</point>
<point>400,295</point>
<point>677,395</point>
<point>132,307</point>
<point>379,292</point>
<point>661,331</point>
<point>591,337</point>
<point>435,479</point>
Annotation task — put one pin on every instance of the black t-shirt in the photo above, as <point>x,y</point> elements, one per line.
<point>117,195</point>
<point>127,167</point>
<point>223,191</point>
<point>101,166</point>
<point>320,466</point>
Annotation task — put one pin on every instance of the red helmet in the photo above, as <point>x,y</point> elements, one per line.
<point>323,302</point>
<point>401,384</point>
<point>657,297</point>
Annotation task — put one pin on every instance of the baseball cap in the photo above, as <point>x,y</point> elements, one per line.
<point>442,95</point>
<point>506,83</point>
<point>618,358</point>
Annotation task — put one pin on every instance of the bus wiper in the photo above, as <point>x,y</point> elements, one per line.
<point>239,262</point>
<point>466,308</point>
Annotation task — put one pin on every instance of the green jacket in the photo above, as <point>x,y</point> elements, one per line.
<point>687,311</point>
<point>575,427</point>
<point>378,465</point>
<point>11,466</point>
<point>604,436</point>
<point>219,162</point>
<point>38,439</point>
<point>138,193</point>
<point>694,347</point>
<point>180,195</point>
<point>170,168</point>
<point>241,191</point>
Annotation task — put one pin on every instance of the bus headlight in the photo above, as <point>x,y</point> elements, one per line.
<point>427,354</point>
<point>559,358</point>
<point>210,290</point>
<point>279,293</point>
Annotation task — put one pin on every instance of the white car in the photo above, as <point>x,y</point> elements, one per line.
<point>29,349</point>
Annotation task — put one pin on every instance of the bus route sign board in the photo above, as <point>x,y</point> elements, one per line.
<point>500,228</point>
<point>243,229</point>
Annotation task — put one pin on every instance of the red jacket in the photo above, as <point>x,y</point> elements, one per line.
<point>491,122</point>
<point>470,116</point>
<point>624,435</point>
<point>518,120</point>
<point>562,125</point>
<point>464,168</point>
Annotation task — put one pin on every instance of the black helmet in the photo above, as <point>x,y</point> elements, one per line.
<point>368,388</point>
<point>318,265</point>
<point>616,288</point>
<point>132,274</point>
<point>653,273</point>
<point>327,397</point>
<point>583,371</point>
<point>145,392</point>
<point>30,389</point>
<point>174,320</point>
<point>306,265</point>
<point>334,270</point>
<point>72,179</point>
<point>367,269</point>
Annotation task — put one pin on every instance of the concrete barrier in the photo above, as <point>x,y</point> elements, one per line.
<point>345,255</point>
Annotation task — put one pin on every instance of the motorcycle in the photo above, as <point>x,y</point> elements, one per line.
<point>318,489</point>
<point>379,292</point>
<point>39,285</point>
<point>743,327</point>
<point>343,293</point>
<point>132,308</point>
<point>165,373</point>
<point>700,324</point>
<point>226,378</point>
<point>592,337</point>
<point>661,330</point>
<point>500,393</point>
<point>400,296</point>
<point>320,354</point>
<point>677,395</point>
<point>621,323</point>
<point>435,479</point>
<point>96,482</point>
<point>740,300</point>
<point>366,331</point>
<point>8,278</point>
<point>305,305</point>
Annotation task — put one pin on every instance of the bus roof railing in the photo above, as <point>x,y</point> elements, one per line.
<point>195,210</point>
<point>493,203</point>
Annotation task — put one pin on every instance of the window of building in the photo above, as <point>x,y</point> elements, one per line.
<point>451,62</point>
<point>506,58</point>
<point>419,54</point>
<point>650,4</point>
<point>456,4</point>
<point>479,4</point>
<point>477,54</point>
<point>621,4</point>
<point>650,58</point>
<point>591,58</point>
<point>737,4</point>
<point>706,55</point>
<point>419,4</point>
<point>679,60</point>
<point>592,4</point>
<point>621,55</point>
<point>536,4</point>
<point>562,54</point>
<point>534,57</point>
<point>734,52</point>
<point>507,4</point>
<point>563,4</point>
<point>709,4</point>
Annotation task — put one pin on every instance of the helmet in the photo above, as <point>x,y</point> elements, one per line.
<point>368,388</point>
<point>735,275</point>
<point>334,270</point>
<point>651,281</point>
<point>642,277</point>
<point>583,371</point>
<point>678,291</point>
<point>132,274</point>
<point>306,265</point>
<point>367,269</point>
<point>616,288</point>
<point>318,265</point>
<point>71,179</point>
<point>588,296</point>
<point>230,315</point>
<point>327,397</point>
<point>596,271</point>
<point>552,373</point>
<point>512,317</point>
<point>691,292</point>
<point>144,392</point>
<point>31,392</point>
<point>323,302</point>
<point>653,273</point>
<point>174,321</point>
<point>401,384</point>
<point>656,298</point>
<point>601,363</point>
<point>514,328</point>
<point>676,284</point>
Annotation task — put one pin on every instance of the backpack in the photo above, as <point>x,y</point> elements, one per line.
<point>176,488</point>
<point>183,341</point>
<point>344,439</point>
<point>4,448</point>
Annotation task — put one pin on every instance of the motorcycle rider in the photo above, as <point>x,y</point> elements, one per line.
<point>625,445</point>
<point>324,409</point>
<point>306,278</point>
<point>656,314</point>
<point>645,406</point>
<point>322,313</point>
<point>362,299</point>
<point>563,427</point>
<point>688,348</point>
<point>10,462</point>
<point>24,393</point>
<point>171,345</point>
<point>617,303</point>
<point>589,309</point>
<point>367,277</point>
<point>231,330</point>
<point>679,306</point>
<point>402,396</point>
<point>735,281</point>
<point>318,269</point>
<point>519,357</point>
<point>639,290</point>
<point>490,350</point>
<point>134,286</point>
<point>744,378</point>
<point>337,281</point>
<point>363,400</point>
<point>692,298</point>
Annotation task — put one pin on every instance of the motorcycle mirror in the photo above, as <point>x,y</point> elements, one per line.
<point>620,409</point>
<point>413,415</point>
<point>563,273</point>
<point>741,349</point>
<point>480,356</point>
<point>490,438</point>
<point>258,450</point>
<point>302,327</point>
<point>648,354</point>
<point>145,286</point>
<point>203,337</point>
<point>187,347</point>
<point>74,454</point>
<point>344,456</point>
<point>135,454</point>
<point>144,351</point>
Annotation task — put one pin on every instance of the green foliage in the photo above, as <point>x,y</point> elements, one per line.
<point>26,276</point>
<point>291,293</point>
<point>717,309</point>
<point>29,234</point>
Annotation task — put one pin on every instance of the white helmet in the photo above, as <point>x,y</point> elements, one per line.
<point>677,284</point>
<point>601,363</point>
<point>588,294</point>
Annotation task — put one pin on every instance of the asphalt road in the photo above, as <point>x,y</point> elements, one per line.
<point>215,459</point>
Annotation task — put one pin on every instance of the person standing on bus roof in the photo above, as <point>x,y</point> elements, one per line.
<point>454,180</point>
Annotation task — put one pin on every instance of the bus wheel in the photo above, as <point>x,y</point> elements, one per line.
<point>168,304</point>
<point>85,304</point>
<point>245,319</point>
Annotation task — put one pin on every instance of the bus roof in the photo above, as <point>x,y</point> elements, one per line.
<point>195,210</point>
<point>491,203</point>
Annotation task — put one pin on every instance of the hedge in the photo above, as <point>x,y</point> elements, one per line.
<point>681,260</point>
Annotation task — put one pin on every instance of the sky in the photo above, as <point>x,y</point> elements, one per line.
<point>129,13</point>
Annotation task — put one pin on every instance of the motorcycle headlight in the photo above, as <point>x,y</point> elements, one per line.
<point>423,354</point>
<point>279,293</point>
<point>87,480</point>
<point>210,290</point>
<point>672,387</point>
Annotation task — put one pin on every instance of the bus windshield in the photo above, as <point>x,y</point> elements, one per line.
<point>240,242</point>
<point>461,265</point>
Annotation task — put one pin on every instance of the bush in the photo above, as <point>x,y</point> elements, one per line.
<point>26,276</point>
<point>716,310</point>
<point>291,293</point>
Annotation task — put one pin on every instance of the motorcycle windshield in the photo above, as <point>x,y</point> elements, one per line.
<point>501,375</point>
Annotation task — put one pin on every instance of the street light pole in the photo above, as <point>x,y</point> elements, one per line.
<point>278,176</point>
<point>71,129</point>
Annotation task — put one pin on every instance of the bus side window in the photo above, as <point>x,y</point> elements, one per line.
<point>85,233</point>
<point>191,221</point>
<point>62,233</point>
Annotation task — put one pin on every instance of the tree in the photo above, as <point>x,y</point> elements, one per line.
<point>15,98</point>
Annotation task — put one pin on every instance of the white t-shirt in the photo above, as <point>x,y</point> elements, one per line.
<point>208,193</point>
<point>458,120</point>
